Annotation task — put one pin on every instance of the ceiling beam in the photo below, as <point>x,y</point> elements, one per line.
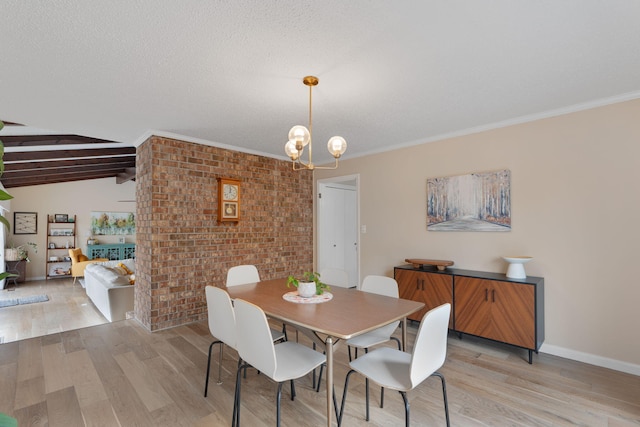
<point>128,175</point>
<point>34,159</point>
<point>36,167</point>
<point>52,180</point>
<point>62,154</point>
<point>37,140</point>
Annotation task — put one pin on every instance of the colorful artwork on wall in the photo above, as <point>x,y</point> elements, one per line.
<point>112,223</point>
<point>472,202</point>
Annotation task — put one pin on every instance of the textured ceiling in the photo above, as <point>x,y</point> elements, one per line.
<point>229,72</point>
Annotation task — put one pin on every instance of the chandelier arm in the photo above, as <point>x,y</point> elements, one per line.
<point>302,166</point>
<point>335,166</point>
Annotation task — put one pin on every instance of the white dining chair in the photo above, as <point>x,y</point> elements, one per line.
<point>281,362</point>
<point>335,277</point>
<point>244,274</point>
<point>401,371</point>
<point>380,285</point>
<point>222,325</point>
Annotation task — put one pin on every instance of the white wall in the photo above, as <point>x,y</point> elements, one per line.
<point>575,209</point>
<point>78,198</point>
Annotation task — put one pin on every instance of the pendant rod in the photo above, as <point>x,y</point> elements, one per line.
<point>311,82</point>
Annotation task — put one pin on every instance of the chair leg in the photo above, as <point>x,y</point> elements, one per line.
<point>293,391</point>
<point>344,397</point>
<point>220,364</point>
<point>444,395</point>
<point>319,378</point>
<point>406,408</point>
<point>335,404</point>
<point>397,342</point>
<point>235,420</point>
<point>313,385</point>
<point>382,388</point>
<point>317,387</point>
<point>206,382</point>
<point>366,385</point>
<point>278,398</point>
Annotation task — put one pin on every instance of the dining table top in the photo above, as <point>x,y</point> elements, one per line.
<point>349,313</point>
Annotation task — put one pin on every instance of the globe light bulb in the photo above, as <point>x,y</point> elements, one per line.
<point>337,146</point>
<point>291,150</point>
<point>300,135</point>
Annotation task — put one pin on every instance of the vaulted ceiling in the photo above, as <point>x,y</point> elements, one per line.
<point>229,73</point>
<point>34,159</point>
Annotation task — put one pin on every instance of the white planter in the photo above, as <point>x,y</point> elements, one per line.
<point>12,254</point>
<point>306,289</point>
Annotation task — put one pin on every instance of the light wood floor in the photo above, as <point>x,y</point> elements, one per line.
<point>68,308</point>
<point>118,374</point>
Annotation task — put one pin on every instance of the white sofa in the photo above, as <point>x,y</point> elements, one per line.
<point>109,290</point>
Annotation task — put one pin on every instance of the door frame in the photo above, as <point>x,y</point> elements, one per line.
<point>346,180</point>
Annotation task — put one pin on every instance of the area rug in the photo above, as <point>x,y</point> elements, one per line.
<point>24,300</point>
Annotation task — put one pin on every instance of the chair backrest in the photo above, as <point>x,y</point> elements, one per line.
<point>76,255</point>
<point>430,349</point>
<point>222,319</point>
<point>254,341</point>
<point>381,285</point>
<point>242,274</point>
<point>335,277</point>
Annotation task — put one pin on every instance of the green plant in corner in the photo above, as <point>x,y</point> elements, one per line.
<point>309,276</point>
<point>4,196</point>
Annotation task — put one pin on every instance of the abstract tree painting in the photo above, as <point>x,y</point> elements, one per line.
<point>472,202</point>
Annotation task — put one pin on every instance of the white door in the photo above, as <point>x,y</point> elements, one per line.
<point>338,227</point>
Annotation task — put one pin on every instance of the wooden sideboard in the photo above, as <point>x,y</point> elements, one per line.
<point>113,251</point>
<point>487,305</point>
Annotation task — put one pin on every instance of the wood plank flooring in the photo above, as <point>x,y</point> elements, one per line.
<point>118,374</point>
<point>68,308</point>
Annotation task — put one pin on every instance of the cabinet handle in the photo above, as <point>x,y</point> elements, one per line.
<point>493,295</point>
<point>486,294</point>
<point>422,281</point>
<point>417,284</point>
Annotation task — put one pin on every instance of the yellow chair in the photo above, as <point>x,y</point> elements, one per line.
<point>79,261</point>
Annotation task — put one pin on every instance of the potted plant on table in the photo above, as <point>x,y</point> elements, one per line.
<point>309,285</point>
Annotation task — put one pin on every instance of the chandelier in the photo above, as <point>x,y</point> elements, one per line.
<point>300,137</point>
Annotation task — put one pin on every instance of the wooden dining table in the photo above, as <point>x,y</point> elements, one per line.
<point>347,314</point>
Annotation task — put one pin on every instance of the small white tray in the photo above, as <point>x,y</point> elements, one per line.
<point>316,299</point>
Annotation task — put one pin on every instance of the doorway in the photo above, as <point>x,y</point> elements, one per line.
<point>338,239</point>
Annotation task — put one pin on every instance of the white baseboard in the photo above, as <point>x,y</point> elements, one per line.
<point>591,359</point>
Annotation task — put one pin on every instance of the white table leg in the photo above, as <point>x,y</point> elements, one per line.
<point>329,380</point>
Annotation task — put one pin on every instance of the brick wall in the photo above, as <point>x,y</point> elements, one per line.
<point>180,246</point>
